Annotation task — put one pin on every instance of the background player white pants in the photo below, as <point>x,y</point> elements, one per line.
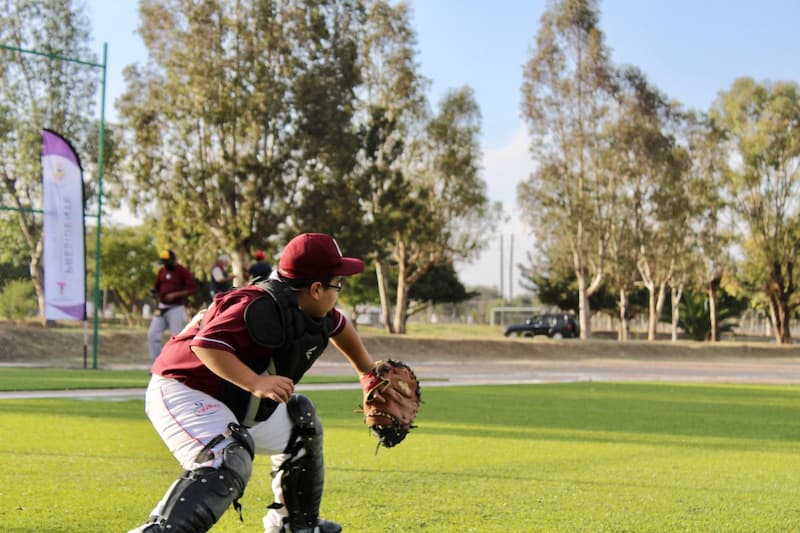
<point>187,419</point>
<point>173,318</point>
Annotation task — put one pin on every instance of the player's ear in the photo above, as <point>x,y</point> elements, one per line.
<point>315,289</point>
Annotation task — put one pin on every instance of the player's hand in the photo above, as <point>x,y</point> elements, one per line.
<point>277,388</point>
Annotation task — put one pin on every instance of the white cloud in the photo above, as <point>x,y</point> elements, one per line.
<point>504,168</point>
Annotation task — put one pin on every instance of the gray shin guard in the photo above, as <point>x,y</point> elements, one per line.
<point>303,472</point>
<point>198,499</point>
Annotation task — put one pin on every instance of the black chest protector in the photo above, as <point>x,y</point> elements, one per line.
<point>275,321</point>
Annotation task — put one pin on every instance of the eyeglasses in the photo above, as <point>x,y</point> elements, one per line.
<point>337,288</point>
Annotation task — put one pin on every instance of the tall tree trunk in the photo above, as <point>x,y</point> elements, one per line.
<point>774,319</point>
<point>36,243</point>
<point>713,311</point>
<point>784,332</point>
<point>584,309</point>
<point>622,334</point>
<point>780,289</point>
<point>401,305</point>
<point>651,312</point>
<point>662,296</point>
<point>385,308</point>
<point>584,292</point>
<point>239,266</point>
<point>676,294</point>
<point>37,276</point>
<point>401,302</point>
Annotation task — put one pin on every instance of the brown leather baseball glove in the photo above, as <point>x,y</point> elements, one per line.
<point>391,401</point>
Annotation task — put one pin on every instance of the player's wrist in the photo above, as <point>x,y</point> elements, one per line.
<point>369,380</point>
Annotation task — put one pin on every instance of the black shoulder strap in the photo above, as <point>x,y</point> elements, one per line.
<point>268,318</point>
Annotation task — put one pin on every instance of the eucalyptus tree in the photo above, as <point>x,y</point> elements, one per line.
<point>41,91</point>
<point>367,200</point>
<point>762,122</point>
<point>239,109</point>
<point>653,169</point>
<point>422,200</point>
<point>393,110</point>
<point>622,272</point>
<point>449,205</point>
<point>706,261</point>
<point>567,91</point>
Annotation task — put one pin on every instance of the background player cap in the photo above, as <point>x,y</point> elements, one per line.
<point>260,255</point>
<point>166,255</point>
<point>312,256</point>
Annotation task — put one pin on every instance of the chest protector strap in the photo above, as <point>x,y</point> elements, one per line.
<point>296,340</point>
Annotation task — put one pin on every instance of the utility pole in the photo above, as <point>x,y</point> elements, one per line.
<point>511,268</point>
<point>502,268</point>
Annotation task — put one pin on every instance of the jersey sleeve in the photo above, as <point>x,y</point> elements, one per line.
<point>336,320</point>
<point>225,329</point>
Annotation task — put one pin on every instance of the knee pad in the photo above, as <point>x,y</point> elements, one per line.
<point>307,427</point>
<point>198,499</point>
<point>303,472</point>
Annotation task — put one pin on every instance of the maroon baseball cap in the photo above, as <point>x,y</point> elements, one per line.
<point>315,256</point>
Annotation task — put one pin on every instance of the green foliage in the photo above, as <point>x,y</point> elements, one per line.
<point>762,123</point>
<point>440,285</point>
<point>561,291</point>
<point>15,254</point>
<point>18,299</point>
<point>226,141</point>
<point>695,318</point>
<point>575,457</point>
<point>128,264</point>
<point>361,289</point>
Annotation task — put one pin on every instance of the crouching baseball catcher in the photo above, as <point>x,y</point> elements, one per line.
<point>222,391</point>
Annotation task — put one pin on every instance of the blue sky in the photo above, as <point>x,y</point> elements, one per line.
<point>690,49</point>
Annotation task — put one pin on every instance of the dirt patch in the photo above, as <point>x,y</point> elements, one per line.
<point>70,346</point>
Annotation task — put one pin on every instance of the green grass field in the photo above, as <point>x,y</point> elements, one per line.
<point>38,379</point>
<point>563,457</point>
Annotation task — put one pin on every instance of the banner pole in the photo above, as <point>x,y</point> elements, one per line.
<point>100,165</point>
<point>85,343</point>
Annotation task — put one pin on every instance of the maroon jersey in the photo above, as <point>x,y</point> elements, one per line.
<point>222,328</point>
<point>176,279</point>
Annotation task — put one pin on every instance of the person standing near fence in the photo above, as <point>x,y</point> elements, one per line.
<point>260,269</point>
<point>174,284</point>
<point>221,280</point>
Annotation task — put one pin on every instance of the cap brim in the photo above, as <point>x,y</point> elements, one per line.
<point>349,266</point>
